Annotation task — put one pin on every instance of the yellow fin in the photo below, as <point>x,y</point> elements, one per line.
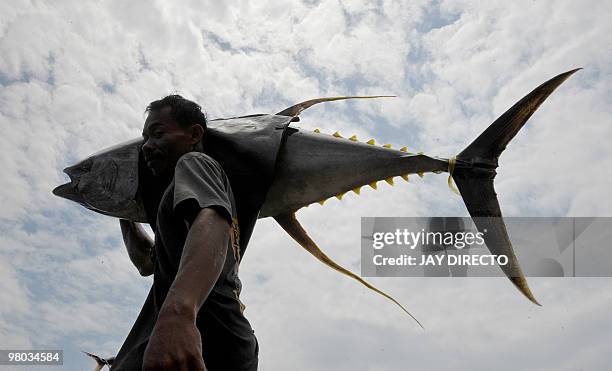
<point>290,224</point>
<point>387,146</point>
<point>389,180</point>
<point>317,131</point>
<point>373,185</point>
<point>357,190</point>
<point>296,109</point>
<point>337,134</point>
<point>371,141</point>
<point>354,138</point>
<point>404,149</point>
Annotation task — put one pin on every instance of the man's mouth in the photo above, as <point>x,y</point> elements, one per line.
<point>152,161</point>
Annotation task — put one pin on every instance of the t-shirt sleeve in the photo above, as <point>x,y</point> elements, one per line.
<point>199,182</point>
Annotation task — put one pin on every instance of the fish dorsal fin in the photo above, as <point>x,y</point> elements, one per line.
<point>298,108</point>
<point>291,225</point>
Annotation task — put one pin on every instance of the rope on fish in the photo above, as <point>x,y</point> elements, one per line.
<point>451,167</point>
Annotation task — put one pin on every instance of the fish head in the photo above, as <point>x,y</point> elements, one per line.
<point>70,191</point>
<point>107,182</point>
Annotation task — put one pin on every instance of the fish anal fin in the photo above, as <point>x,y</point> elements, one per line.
<point>293,227</point>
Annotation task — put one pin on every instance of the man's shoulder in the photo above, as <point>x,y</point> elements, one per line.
<point>199,158</point>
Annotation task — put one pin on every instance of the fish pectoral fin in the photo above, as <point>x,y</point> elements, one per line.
<point>291,225</point>
<point>100,362</point>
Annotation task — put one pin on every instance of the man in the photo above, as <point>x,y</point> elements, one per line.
<point>192,318</point>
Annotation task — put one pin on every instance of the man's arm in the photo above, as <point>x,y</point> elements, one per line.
<point>175,343</point>
<point>138,245</point>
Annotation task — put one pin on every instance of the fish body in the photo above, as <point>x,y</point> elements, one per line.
<point>313,167</point>
<point>310,167</point>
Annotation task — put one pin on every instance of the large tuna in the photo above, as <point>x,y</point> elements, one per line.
<point>275,169</point>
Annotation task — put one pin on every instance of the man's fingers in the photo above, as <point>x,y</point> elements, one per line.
<point>190,363</point>
<point>194,362</point>
<point>197,364</point>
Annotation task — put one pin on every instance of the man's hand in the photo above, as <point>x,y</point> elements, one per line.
<point>138,245</point>
<point>175,344</point>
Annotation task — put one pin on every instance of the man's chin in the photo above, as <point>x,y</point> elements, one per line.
<point>159,172</point>
<point>155,170</point>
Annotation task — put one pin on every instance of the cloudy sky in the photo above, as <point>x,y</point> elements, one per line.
<point>75,77</point>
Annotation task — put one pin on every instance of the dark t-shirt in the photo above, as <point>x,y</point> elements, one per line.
<point>227,338</point>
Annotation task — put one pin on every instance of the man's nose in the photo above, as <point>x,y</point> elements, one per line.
<point>147,146</point>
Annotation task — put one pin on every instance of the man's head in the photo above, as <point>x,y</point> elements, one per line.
<point>174,126</point>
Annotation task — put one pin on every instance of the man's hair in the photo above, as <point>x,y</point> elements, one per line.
<point>185,112</point>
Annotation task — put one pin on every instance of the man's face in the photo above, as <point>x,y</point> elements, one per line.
<point>165,141</point>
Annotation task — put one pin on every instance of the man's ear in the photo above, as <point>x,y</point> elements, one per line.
<point>197,133</point>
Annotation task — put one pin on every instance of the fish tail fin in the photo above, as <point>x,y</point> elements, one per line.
<point>291,225</point>
<point>473,170</point>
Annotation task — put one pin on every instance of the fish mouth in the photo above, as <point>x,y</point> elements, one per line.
<point>70,190</point>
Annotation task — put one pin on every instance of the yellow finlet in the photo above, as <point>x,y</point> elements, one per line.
<point>354,138</point>
<point>405,177</point>
<point>387,146</point>
<point>420,153</point>
<point>390,181</point>
<point>371,141</point>
<point>421,174</point>
<point>317,131</point>
<point>357,190</point>
<point>322,201</point>
<point>337,134</point>
<point>339,196</point>
<point>404,149</point>
<point>373,185</point>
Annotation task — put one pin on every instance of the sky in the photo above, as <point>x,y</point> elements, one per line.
<point>75,77</point>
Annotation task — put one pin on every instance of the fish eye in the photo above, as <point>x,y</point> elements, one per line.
<point>86,165</point>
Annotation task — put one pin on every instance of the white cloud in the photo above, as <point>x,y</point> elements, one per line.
<point>76,77</point>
